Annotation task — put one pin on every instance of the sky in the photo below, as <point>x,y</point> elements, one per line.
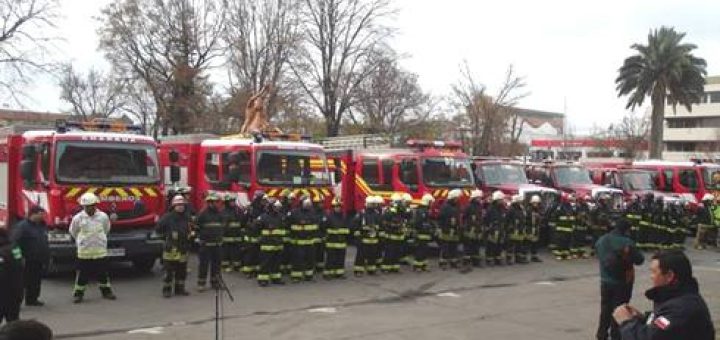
<point>568,51</point>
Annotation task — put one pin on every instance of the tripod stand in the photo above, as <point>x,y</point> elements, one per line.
<point>220,288</point>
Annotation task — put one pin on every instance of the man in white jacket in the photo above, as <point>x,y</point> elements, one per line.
<point>90,228</point>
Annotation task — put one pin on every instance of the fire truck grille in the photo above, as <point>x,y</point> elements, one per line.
<point>139,211</point>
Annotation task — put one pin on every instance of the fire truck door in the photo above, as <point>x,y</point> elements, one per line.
<point>407,169</point>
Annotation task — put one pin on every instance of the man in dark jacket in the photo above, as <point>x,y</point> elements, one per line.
<point>32,237</point>
<point>211,224</point>
<point>679,312</point>
<point>617,254</point>
<point>11,287</point>
<point>174,227</point>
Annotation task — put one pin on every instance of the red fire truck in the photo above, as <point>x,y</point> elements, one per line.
<point>572,178</point>
<point>270,163</point>
<point>422,167</point>
<point>509,176</point>
<point>633,182</point>
<point>53,168</point>
<point>686,179</point>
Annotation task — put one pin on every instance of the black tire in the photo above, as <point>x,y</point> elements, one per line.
<point>144,265</point>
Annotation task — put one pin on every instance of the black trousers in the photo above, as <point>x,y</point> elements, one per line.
<point>391,257</point>
<point>11,289</point>
<point>232,255</point>
<point>449,252</point>
<point>611,296</point>
<point>32,278</point>
<point>209,258</point>
<point>270,266</point>
<point>251,258</point>
<point>366,257</point>
<point>92,268</point>
<point>175,274</point>
<point>303,261</point>
<point>334,261</point>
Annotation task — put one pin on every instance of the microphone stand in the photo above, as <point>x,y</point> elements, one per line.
<point>220,287</point>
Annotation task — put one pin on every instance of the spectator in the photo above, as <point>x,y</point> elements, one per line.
<point>32,237</point>
<point>25,330</point>
<point>679,312</point>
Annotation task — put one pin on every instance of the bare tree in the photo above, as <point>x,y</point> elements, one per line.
<point>95,94</point>
<point>25,27</point>
<point>633,133</point>
<point>390,99</point>
<point>339,39</point>
<point>261,35</point>
<point>493,121</point>
<point>169,45</point>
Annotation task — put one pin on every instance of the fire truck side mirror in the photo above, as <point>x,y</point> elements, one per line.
<point>174,156</point>
<point>27,172</point>
<point>174,173</point>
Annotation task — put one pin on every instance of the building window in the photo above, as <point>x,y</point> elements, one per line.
<point>370,172</point>
<point>681,123</point>
<point>681,146</point>
<point>212,167</point>
<point>714,97</point>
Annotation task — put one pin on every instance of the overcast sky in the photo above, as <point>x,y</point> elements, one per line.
<point>569,51</point>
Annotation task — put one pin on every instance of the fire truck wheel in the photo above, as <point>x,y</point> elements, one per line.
<point>144,265</point>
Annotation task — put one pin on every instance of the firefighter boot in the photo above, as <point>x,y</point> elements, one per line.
<point>107,293</point>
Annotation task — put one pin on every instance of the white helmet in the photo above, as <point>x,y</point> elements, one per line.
<point>427,199</point>
<point>498,195</point>
<point>476,194</point>
<point>517,198</point>
<point>535,199</point>
<point>396,197</point>
<point>369,200</point>
<point>88,198</point>
<point>407,197</point>
<point>454,194</point>
<point>708,197</point>
<point>378,200</point>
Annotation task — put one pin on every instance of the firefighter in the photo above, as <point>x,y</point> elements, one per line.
<point>174,228</point>
<point>90,228</point>
<point>646,222</point>
<point>495,223</point>
<point>336,231</point>
<point>516,218</point>
<point>211,226</point>
<point>258,205</point>
<point>319,212</point>
<point>408,247</point>
<point>285,199</point>
<point>233,237</point>
<point>304,231</point>
<point>450,229</point>
<point>675,226</point>
<point>271,242</point>
<point>600,219</point>
<point>580,246</point>
<point>393,232</point>
<point>562,225</point>
<point>708,218</point>
<point>473,233</point>
<point>367,233</point>
<point>534,222</point>
<point>11,278</point>
<point>659,227</point>
<point>633,213</point>
<point>423,231</point>
<point>185,193</point>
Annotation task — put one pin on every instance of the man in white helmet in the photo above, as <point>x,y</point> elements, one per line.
<point>473,233</point>
<point>516,218</point>
<point>562,226</point>
<point>90,228</point>
<point>423,230</point>
<point>496,224</point>
<point>535,218</point>
<point>174,228</point>
<point>367,232</point>
<point>450,229</point>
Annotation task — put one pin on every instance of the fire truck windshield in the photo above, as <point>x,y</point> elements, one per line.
<point>638,180</point>
<point>83,162</point>
<point>292,167</point>
<point>711,177</point>
<point>570,175</point>
<point>447,171</point>
<point>496,174</point>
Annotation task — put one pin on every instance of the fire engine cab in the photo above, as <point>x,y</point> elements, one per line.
<point>509,176</point>
<point>422,167</point>
<point>633,182</point>
<point>686,179</point>
<point>572,178</point>
<point>244,164</point>
<point>53,168</point>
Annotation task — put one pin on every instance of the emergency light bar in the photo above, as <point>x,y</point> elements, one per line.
<point>104,125</point>
<point>415,143</point>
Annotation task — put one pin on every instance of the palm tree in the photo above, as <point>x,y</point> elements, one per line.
<point>664,70</point>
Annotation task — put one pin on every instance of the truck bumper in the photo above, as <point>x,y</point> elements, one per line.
<point>122,246</point>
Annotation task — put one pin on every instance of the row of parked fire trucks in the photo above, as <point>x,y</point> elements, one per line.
<point>132,174</point>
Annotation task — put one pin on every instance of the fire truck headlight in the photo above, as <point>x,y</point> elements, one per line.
<point>59,237</point>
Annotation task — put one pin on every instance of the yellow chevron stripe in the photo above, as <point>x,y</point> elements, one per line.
<point>121,192</point>
<point>306,192</point>
<point>326,192</point>
<point>151,192</point>
<point>136,192</point>
<point>91,190</point>
<point>316,193</point>
<point>72,192</point>
<point>361,183</point>
<point>106,191</point>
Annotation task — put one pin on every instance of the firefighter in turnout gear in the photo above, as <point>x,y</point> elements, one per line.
<point>450,229</point>
<point>271,242</point>
<point>473,233</point>
<point>211,225</point>
<point>515,231</point>
<point>393,233</point>
<point>337,232</point>
<point>319,210</point>
<point>675,227</point>
<point>367,233</point>
<point>600,218</point>
<point>174,228</point>
<point>659,228</point>
<point>304,233</point>
<point>633,213</point>
<point>535,217</point>
<point>251,245</point>
<point>233,237</point>
<point>562,226</point>
<point>708,220</point>
<point>646,222</point>
<point>580,244</point>
<point>408,247</point>
<point>495,223</point>
<point>423,231</point>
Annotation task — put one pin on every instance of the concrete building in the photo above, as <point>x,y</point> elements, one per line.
<point>19,117</point>
<point>696,134</point>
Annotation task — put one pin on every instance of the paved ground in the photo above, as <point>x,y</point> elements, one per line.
<point>552,300</point>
